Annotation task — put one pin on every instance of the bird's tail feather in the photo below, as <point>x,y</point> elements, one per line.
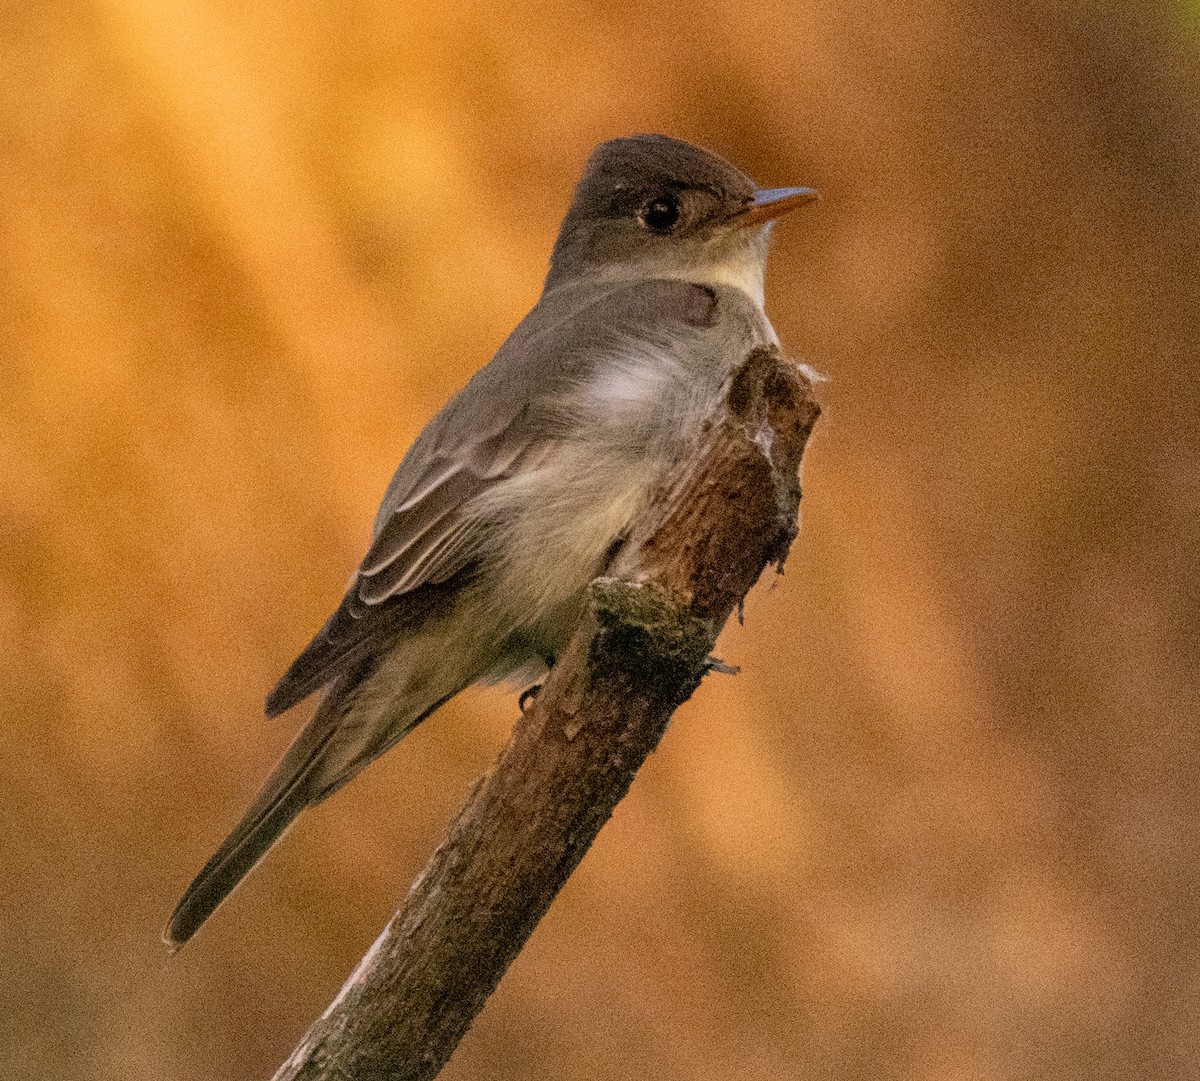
<point>301,779</point>
<point>332,749</point>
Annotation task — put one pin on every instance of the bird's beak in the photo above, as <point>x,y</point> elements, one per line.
<point>771,203</point>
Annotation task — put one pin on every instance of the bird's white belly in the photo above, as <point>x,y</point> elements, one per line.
<point>555,524</point>
<point>566,516</point>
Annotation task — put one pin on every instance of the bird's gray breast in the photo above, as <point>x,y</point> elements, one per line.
<point>655,384</point>
<point>620,421</point>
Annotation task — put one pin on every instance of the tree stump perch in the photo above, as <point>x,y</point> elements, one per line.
<point>724,512</point>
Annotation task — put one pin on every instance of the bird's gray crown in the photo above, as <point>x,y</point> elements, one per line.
<point>646,199</point>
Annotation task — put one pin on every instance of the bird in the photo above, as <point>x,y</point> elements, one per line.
<point>519,491</point>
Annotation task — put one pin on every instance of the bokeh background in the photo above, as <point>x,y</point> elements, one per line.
<point>944,826</point>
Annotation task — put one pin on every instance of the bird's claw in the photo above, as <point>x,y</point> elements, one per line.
<point>715,664</point>
<point>527,696</point>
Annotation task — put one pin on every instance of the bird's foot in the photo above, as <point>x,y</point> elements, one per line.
<point>527,696</point>
<point>715,664</point>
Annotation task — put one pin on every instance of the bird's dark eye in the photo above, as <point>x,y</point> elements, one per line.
<point>660,214</point>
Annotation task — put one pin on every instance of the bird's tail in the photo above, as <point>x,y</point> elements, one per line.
<point>284,795</point>
<point>324,756</point>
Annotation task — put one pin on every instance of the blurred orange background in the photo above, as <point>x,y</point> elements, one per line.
<point>943,826</point>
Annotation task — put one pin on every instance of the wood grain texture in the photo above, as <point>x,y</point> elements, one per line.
<point>725,512</point>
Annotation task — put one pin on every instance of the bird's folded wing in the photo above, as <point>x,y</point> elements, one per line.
<point>426,536</point>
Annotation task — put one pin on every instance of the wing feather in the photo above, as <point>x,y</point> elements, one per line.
<point>427,534</point>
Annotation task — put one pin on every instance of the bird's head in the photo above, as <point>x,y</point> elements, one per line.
<point>650,205</point>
